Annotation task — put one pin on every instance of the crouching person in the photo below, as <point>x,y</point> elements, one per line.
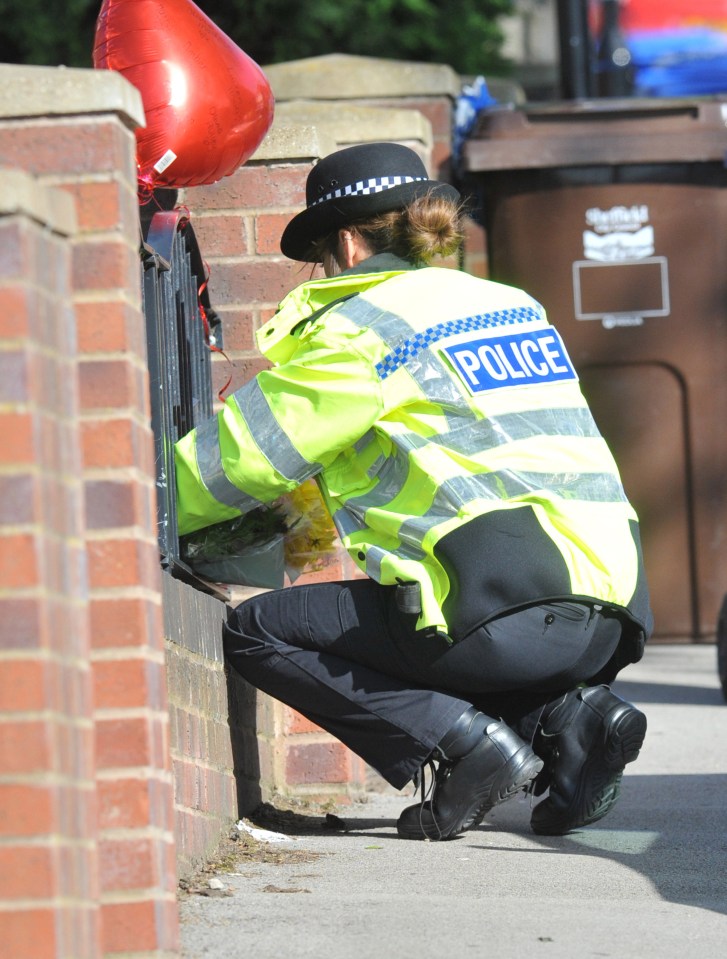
<point>442,419</point>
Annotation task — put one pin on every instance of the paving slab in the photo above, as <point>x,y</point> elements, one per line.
<point>649,880</point>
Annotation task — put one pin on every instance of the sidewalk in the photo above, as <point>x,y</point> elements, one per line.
<point>649,880</point>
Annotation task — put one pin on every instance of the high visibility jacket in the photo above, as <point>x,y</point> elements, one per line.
<point>444,423</point>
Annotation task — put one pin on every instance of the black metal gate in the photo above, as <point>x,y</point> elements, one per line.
<point>182,330</point>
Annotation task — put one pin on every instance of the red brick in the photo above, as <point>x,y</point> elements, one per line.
<point>121,683</point>
<point>106,384</point>
<point>111,443</point>
<point>220,235</point>
<point>104,327</point>
<point>14,248</point>
<point>126,864</point>
<point>257,187</point>
<point>254,281</point>
<point>237,331</point>
<point>22,684</point>
<point>17,446</point>
<point>442,161</point>
<point>18,561</point>
<point>295,723</point>
<point>124,622</point>
<point>72,149</point>
<point>268,230</point>
<point>317,763</point>
<point>26,810</point>
<point>21,622</point>
<point>123,803</point>
<point>15,376</point>
<point>24,747</point>
<point>122,743</point>
<point>122,562</point>
<point>17,499</point>
<point>129,927</point>
<point>105,264</point>
<point>26,872</point>
<point>98,205</point>
<point>15,314</point>
<point>110,504</point>
<point>30,933</point>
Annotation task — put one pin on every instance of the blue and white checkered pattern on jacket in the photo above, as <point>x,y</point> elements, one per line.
<point>411,347</point>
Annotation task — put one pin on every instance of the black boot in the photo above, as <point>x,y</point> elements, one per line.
<point>482,762</point>
<point>586,738</point>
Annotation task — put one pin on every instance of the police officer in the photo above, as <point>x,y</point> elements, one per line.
<point>443,421</point>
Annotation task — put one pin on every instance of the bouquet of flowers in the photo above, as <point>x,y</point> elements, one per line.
<point>293,535</point>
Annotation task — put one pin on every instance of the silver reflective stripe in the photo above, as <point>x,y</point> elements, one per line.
<point>476,436</point>
<point>391,480</point>
<point>472,437</point>
<point>348,522</point>
<point>503,484</point>
<point>367,438</point>
<point>209,463</point>
<point>457,492</point>
<point>374,558</point>
<point>271,439</point>
<point>387,326</point>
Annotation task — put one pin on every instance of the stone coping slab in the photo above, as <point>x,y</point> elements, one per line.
<point>32,91</point>
<point>348,123</point>
<point>341,76</point>
<point>287,140</point>
<point>20,193</point>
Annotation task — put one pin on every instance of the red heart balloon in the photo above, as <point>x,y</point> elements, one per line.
<point>208,105</point>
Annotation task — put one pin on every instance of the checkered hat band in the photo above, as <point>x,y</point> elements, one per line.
<point>366,187</point>
<point>411,347</point>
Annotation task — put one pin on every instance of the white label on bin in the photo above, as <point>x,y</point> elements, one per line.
<point>619,246</point>
<point>518,359</point>
<point>620,233</point>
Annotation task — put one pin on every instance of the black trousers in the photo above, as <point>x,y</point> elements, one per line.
<point>345,657</point>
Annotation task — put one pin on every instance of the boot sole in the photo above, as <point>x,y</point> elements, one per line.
<point>515,775</point>
<point>600,783</point>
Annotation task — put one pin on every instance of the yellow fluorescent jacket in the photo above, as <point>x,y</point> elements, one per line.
<point>421,399</point>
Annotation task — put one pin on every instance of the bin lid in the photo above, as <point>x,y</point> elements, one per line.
<point>598,132</point>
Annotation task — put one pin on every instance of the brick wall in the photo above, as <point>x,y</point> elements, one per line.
<point>48,852</point>
<point>88,586</point>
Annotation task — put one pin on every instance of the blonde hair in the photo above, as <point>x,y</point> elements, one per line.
<point>429,226</point>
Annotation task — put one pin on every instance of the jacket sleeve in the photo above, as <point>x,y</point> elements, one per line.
<point>278,430</point>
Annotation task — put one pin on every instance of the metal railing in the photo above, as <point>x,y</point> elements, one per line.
<point>182,329</point>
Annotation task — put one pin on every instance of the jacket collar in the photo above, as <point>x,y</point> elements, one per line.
<point>381,263</point>
<point>275,339</point>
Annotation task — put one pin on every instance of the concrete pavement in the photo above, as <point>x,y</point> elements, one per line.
<point>649,880</point>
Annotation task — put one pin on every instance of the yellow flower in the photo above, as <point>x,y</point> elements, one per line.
<point>311,540</point>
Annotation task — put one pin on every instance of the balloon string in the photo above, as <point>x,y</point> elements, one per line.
<point>209,339</point>
<point>145,190</point>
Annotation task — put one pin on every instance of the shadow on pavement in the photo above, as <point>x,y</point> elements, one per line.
<point>668,693</point>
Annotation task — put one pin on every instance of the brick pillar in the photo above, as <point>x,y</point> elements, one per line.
<point>74,129</point>
<point>48,851</point>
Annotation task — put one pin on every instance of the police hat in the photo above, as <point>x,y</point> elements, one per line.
<point>354,184</point>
